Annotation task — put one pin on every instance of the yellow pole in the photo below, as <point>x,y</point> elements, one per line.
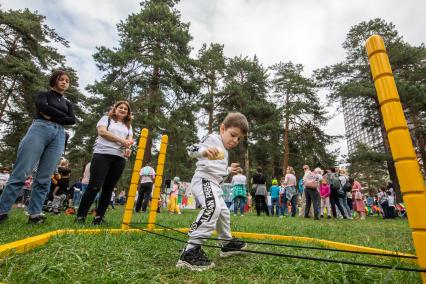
<point>128,211</point>
<point>407,167</point>
<point>157,184</point>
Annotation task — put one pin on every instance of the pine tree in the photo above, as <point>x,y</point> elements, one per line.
<point>298,101</point>
<point>151,68</point>
<point>210,73</point>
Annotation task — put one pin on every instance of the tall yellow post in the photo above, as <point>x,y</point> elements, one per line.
<point>407,167</point>
<point>158,181</point>
<point>128,211</point>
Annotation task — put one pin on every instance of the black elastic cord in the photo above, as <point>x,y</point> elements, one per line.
<point>291,256</point>
<point>293,246</point>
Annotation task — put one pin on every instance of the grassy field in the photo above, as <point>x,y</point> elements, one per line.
<point>145,258</point>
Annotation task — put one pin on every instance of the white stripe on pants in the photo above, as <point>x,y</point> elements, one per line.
<point>214,213</point>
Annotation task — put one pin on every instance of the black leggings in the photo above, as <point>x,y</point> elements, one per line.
<point>105,171</point>
<point>144,194</point>
<point>261,204</point>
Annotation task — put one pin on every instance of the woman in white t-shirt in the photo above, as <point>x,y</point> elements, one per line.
<point>111,149</point>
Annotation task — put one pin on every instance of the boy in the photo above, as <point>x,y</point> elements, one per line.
<point>212,168</point>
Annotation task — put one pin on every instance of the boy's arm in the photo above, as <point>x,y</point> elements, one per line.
<point>206,148</point>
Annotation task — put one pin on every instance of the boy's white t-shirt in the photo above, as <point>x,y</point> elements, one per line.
<point>104,146</point>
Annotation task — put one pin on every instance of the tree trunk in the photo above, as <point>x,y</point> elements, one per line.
<point>286,144</point>
<point>211,108</point>
<point>390,163</point>
<point>152,95</point>
<point>6,100</point>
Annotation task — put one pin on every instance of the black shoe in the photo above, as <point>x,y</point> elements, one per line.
<point>3,218</point>
<point>322,216</point>
<point>40,219</point>
<point>195,259</point>
<point>233,247</point>
<point>98,221</point>
<point>80,220</point>
<point>328,217</point>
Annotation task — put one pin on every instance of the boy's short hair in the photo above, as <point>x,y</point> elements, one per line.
<point>238,120</point>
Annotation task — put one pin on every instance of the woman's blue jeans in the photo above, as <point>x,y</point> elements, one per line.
<point>43,143</point>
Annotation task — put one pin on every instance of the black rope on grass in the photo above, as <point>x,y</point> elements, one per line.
<point>289,255</point>
<point>294,246</point>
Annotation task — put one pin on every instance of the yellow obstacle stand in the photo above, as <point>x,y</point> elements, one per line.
<point>407,167</point>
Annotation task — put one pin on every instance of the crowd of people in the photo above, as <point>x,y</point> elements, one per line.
<point>318,194</point>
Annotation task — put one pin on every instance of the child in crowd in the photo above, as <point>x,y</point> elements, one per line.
<point>249,203</point>
<point>112,201</point>
<point>173,201</point>
<point>212,168</point>
<point>391,204</point>
<point>325,197</point>
<point>275,198</point>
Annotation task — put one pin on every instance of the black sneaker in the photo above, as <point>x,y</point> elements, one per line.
<point>98,221</point>
<point>80,220</point>
<point>40,219</point>
<point>233,247</point>
<point>3,218</point>
<point>195,259</point>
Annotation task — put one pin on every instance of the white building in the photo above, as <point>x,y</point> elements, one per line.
<point>355,133</point>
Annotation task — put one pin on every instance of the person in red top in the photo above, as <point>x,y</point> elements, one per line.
<point>357,198</point>
<point>325,197</point>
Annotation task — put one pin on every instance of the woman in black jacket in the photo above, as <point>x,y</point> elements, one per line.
<point>42,145</point>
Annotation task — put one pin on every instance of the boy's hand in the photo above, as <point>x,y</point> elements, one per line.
<point>235,167</point>
<point>213,153</point>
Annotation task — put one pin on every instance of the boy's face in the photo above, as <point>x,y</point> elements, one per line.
<point>230,136</point>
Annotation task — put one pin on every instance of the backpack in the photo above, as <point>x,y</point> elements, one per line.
<point>346,185</point>
<point>146,171</point>
<point>334,181</point>
<point>311,180</point>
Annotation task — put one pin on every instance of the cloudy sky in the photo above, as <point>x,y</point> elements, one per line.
<point>309,32</point>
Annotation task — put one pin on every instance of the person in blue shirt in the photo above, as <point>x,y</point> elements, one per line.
<point>275,197</point>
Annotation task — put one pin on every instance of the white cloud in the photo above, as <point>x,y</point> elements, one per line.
<point>309,32</point>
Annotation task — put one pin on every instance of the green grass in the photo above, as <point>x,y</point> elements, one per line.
<point>145,258</point>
